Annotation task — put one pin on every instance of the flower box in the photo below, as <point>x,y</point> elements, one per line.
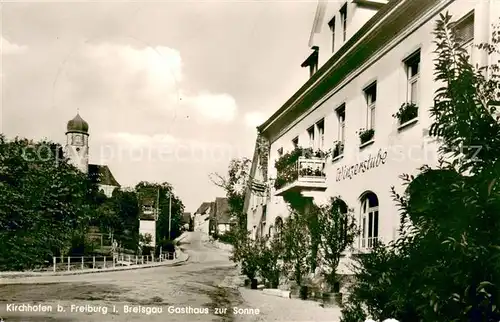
<point>366,135</point>
<point>287,166</point>
<point>406,113</point>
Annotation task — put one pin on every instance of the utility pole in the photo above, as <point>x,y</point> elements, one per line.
<point>169,213</point>
<point>157,205</point>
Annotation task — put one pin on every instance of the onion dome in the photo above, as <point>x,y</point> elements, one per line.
<point>78,125</point>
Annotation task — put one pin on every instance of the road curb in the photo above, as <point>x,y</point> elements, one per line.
<point>12,275</point>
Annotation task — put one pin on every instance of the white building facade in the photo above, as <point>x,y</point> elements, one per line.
<point>377,57</point>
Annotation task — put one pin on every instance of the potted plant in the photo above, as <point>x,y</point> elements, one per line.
<point>303,292</point>
<point>366,135</point>
<point>406,113</point>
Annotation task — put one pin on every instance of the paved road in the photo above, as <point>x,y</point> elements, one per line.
<point>188,292</point>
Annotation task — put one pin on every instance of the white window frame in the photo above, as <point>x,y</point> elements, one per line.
<point>341,123</point>
<point>367,241</point>
<point>343,21</point>
<point>412,79</point>
<point>331,24</point>
<point>370,106</point>
<point>320,129</point>
<point>311,136</point>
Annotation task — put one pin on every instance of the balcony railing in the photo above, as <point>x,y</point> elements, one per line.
<point>305,174</point>
<point>370,242</point>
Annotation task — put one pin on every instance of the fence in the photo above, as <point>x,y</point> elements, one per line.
<point>72,263</point>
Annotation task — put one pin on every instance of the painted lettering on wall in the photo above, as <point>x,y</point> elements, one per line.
<point>373,161</point>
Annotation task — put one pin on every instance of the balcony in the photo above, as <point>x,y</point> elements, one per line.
<point>307,174</point>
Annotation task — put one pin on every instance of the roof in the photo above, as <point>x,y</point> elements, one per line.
<point>186,217</point>
<point>374,34</point>
<point>222,211</point>
<point>77,124</point>
<point>100,174</point>
<point>203,208</point>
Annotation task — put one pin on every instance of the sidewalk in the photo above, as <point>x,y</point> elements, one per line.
<point>273,308</point>
<point>181,258</point>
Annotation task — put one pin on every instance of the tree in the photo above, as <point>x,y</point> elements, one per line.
<point>245,253</point>
<point>297,242</point>
<point>445,265</point>
<point>168,201</point>
<point>270,251</point>
<point>44,203</point>
<point>338,231</point>
<point>235,184</point>
<point>127,207</point>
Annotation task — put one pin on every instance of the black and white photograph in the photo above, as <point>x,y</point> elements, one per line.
<point>250,160</point>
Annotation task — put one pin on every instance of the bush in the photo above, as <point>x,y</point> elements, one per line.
<point>268,253</point>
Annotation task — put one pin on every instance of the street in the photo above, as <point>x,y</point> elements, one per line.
<point>187,292</point>
<point>202,289</point>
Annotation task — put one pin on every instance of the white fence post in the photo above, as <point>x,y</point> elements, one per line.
<point>82,262</point>
<point>136,260</point>
<point>129,258</point>
<point>114,261</point>
<point>104,266</point>
<point>54,259</point>
<point>68,262</point>
<point>93,262</point>
<point>142,259</point>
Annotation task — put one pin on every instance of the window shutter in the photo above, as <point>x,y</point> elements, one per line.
<point>464,30</point>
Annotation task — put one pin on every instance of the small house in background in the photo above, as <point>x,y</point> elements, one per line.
<point>223,220</point>
<point>201,218</point>
<point>148,213</point>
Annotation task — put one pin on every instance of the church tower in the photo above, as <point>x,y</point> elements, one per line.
<point>77,143</point>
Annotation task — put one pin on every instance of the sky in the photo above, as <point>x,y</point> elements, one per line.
<point>172,91</point>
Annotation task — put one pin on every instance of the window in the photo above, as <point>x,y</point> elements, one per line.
<point>343,210</point>
<point>295,142</point>
<point>331,24</point>
<point>464,32</point>
<point>341,119</point>
<point>320,126</point>
<point>412,64</point>
<point>310,133</point>
<point>371,100</point>
<point>312,61</point>
<point>343,21</point>
<point>369,220</point>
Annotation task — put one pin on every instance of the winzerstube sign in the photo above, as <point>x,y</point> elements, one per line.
<point>373,161</point>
